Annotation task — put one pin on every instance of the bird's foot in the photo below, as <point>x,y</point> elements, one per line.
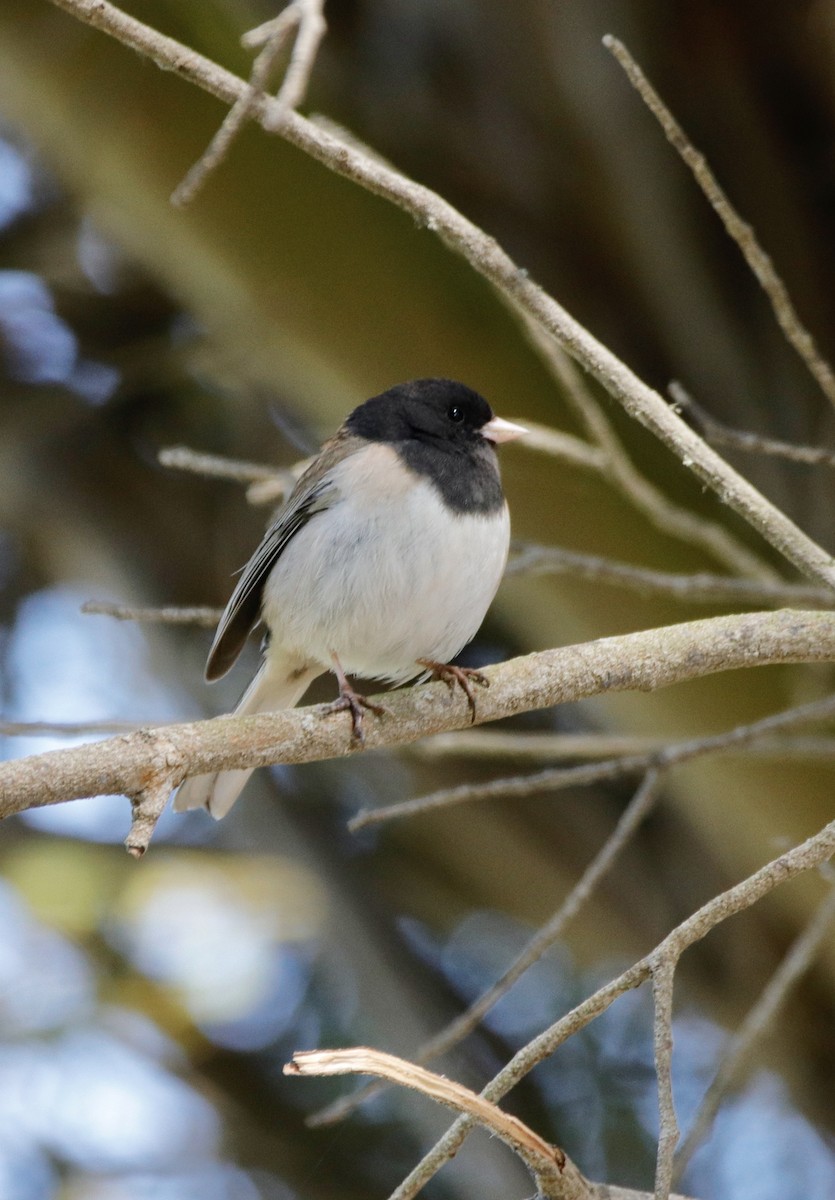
<point>464,677</point>
<point>352,702</point>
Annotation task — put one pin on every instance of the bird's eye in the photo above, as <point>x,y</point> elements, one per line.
<point>456,413</point>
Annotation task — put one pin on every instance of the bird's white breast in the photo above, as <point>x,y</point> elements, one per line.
<point>385,576</point>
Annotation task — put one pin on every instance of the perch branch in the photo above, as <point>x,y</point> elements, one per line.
<point>645,661</point>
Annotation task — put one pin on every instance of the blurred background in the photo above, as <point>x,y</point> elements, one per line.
<point>146,1009</point>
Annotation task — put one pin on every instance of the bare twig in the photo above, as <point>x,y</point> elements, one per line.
<point>64,728</point>
<point>663,973</point>
<point>306,17</point>
<point>548,1163</point>
<point>486,256</point>
<point>534,747</point>
<point>148,801</point>
<point>558,778</point>
<point>756,1025</point>
<point>182,458</point>
<point>700,587</point>
<point>311,30</point>
<point>565,447</point>
<point>805,857</point>
<point>207,618</point>
<point>761,265</point>
<point>622,473</point>
<point>752,443</point>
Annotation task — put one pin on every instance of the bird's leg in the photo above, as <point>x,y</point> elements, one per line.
<point>462,676</point>
<point>352,701</point>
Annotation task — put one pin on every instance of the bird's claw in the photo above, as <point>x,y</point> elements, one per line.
<point>351,701</point>
<point>464,677</point>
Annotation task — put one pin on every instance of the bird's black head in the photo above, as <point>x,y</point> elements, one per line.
<point>438,411</point>
<point>436,427</point>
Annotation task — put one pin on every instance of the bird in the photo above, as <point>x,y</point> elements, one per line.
<point>382,562</point>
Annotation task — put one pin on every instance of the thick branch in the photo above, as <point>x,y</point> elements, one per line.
<point>645,661</point>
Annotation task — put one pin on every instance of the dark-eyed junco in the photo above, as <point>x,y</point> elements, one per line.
<point>382,563</point>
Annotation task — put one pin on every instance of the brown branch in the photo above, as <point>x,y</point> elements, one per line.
<point>719,434</point>
<point>207,618</point>
<point>556,1177</point>
<point>698,588</point>
<point>534,747</point>
<point>645,661</point>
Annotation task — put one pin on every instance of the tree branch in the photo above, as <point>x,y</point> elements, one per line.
<point>648,660</point>
<point>807,856</point>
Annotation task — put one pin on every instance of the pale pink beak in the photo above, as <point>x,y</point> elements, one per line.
<point>498,430</point>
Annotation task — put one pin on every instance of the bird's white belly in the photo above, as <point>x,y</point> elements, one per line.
<point>386,582</point>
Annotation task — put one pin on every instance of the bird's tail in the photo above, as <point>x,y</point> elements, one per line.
<point>276,686</point>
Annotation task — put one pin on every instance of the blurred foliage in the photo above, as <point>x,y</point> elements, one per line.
<point>249,325</point>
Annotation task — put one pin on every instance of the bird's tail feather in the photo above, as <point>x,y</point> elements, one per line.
<point>271,689</point>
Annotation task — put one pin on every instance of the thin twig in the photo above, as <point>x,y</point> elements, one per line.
<point>806,857</point>
<point>148,805</point>
<point>622,473</point>
<point>486,256</point>
<point>663,974</point>
<point>218,148</point>
<point>306,17</point>
<point>757,1024</point>
<point>565,447</point>
<point>541,1157</point>
<point>311,30</point>
<point>759,262</point>
<point>559,778</point>
<point>65,728</point>
<point>534,747</point>
<point>182,458</point>
<point>700,587</point>
<point>752,443</point>
<point>633,815</point>
<point>207,618</point>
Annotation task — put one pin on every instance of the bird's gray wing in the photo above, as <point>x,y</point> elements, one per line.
<point>313,493</point>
